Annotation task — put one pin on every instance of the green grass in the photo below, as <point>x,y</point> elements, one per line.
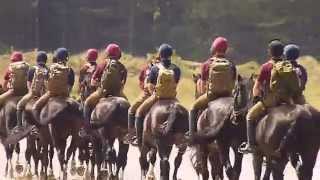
<point>186,86</point>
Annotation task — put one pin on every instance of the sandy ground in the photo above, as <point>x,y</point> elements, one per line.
<point>132,172</point>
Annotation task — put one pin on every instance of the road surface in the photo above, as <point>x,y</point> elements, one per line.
<point>132,172</point>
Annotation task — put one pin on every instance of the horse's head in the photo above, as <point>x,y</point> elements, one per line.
<point>243,92</point>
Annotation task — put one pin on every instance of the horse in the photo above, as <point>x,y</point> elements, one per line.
<point>304,119</point>
<point>164,126</point>
<point>224,125</point>
<point>59,119</point>
<point>109,121</point>
<point>8,121</point>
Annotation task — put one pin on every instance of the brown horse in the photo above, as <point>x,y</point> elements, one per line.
<point>164,126</point>
<point>224,125</point>
<point>305,121</point>
<point>8,121</point>
<point>109,118</point>
<point>59,119</point>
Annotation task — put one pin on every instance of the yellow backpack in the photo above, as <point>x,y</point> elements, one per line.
<point>166,86</point>
<point>111,78</point>
<point>39,81</point>
<point>58,79</point>
<point>221,80</point>
<point>284,79</point>
<point>19,77</point>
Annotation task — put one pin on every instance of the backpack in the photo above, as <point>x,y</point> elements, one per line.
<point>58,79</point>
<point>111,78</point>
<point>19,77</point>
<point>221,77</point>
<point>166,83</point>
<point>284,79</point>
<point>39,81</point>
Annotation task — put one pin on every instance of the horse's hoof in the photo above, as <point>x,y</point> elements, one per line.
<point>80,170</point>
<point>150,178</point>
<point>73,170</point>
<point>19,168</point>
<point>103,175</point>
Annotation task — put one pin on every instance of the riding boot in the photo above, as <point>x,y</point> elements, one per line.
<point>139,130</point>
<point>84,131</point>
<point>192,123</point>
<point>251,134</point>
<point>18,127</point>
<point>131,135</point>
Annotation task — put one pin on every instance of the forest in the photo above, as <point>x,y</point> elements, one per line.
<point>140,26</point>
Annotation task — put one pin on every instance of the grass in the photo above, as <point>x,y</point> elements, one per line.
<point>186,86</point>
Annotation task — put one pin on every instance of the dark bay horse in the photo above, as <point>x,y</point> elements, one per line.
<point>59,119</point>
<point>109,118</point>
<point>8,121</point>
<point>274,126</point>
<point>223,125</point>
<point>164,126</point>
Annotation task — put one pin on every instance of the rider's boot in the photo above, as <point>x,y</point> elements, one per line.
<point>131,135</point>
<point>250,145</point>
<point>18,127</point>
<point>139,130</point>
<point>192,123</point>
<point>85,130</point>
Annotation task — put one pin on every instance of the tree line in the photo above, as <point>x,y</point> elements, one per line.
<point>140,26</point>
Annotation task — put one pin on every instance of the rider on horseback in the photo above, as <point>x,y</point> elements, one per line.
<point>143,76</point>
<point>86,72</point>
<point>15,79</point>
<point>110,78</point>
<point>60,81</point>
<point>219,75</point>
<point>162,82</point>
<point>279,86</point>
<point>37,79</point>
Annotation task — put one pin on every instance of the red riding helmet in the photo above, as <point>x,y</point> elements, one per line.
<point>16,56</point>
<point>113,51</point>
<point>219,45</point>
<point>92,55</point>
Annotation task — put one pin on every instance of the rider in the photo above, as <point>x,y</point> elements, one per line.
<point>262,87</point>
<point>143,76</point>
<point>37,77</point>
<point>15,79</point>
<point>217,74</point>
<point>60,81</point>
<point>109,78</point>
<point>292,53</point>
<point>162,82</point>
<point>86,72</point>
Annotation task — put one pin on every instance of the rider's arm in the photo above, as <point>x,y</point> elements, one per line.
<point>258,85</point>
<point>204,77</point>
<point>71,79</point>
<point>152,79</point>
<point>30,77</point>
<point>97,75</point>
<point>6,80</point>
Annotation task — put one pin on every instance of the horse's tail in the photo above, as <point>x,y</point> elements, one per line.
<point>171,119</point>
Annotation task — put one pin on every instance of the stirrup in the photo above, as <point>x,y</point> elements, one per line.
<point>245,148</point>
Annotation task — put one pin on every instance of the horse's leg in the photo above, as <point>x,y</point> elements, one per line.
<point>36,156</point>
<point>143,160</point>
<point>122,157</point>
<point>308,162</point>
<point>216,166</point>
<point>60,145</point>
<point>152,160</point>
<point>257,165</point>
<point>19,167</point>
<point>51,154</point>
<point>237,163</point>
<point>164,152</point>
<point>29,152</point>
<point>278,168</point>
<point>225,159</point>
<point>44,160</point>
<point>9,158</point>
<point>71,151</point>
<point>268,170</point>
<point>177,161</point>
